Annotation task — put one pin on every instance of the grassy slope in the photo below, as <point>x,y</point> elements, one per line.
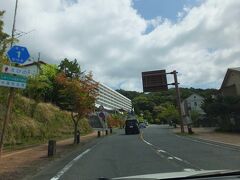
<point>34,123</point>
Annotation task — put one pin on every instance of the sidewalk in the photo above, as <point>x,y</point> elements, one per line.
<point>18,164</point>
<point>210,134</point>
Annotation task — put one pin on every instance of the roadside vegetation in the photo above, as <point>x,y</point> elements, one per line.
<point>161,107</point>
<point>222,112</point>
<point>55,103</point>
<point>116,120</point>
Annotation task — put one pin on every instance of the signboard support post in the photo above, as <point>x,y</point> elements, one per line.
<point>178,99</point>
<point>11,91</point>
<point>154,81</point>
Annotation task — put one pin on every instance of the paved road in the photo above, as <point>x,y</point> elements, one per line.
<point>156,150</point>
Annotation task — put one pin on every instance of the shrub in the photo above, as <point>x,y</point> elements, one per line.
<point>33,122</point>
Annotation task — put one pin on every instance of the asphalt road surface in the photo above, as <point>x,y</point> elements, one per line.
<point>156,150</point>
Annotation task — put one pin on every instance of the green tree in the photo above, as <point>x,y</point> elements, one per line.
<point>195,115</point>
<point>224,111</point>
<point>156,114</point>
<point>142,103</point>
<point>169,113</point>
<point>70,68</point>
<point>154,102</point>
<point>5,41</point>
<point>41,87</point>
<point>75,94</point>
<point>147,115</point>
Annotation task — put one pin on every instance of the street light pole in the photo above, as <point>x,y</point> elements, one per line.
<point>11,91</point>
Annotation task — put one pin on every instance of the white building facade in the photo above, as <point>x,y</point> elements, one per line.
<point>194,103</point>
<point>34,67</point>
<point>112,100</point>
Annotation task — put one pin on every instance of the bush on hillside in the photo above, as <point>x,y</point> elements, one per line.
<point>33,122</point>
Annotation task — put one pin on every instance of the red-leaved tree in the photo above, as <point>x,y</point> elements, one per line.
<point>77,94</point>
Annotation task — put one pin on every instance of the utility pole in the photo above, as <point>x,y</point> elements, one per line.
<point>38,62</point>
<point>11,91</point>
<point>178,99</point>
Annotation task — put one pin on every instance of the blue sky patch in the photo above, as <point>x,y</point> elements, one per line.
<point>150,9</point>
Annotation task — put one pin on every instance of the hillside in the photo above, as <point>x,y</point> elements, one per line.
<point>34,122</point>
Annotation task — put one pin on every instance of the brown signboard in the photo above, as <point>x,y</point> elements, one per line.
<point>154,81</point>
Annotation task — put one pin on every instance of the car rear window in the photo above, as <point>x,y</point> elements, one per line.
<point>131,122</point>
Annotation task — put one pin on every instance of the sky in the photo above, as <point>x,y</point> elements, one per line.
<point>119,39</point>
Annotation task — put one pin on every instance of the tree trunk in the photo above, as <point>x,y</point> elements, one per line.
<point>75,131</point>
<point>76,119</point>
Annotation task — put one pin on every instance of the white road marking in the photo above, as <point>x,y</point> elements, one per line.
<point>178,158</point>
<point>147,142</point>
<point>189,170</point>
<point>69,165</point>
<point>169,154</point>
<point>161,151</point>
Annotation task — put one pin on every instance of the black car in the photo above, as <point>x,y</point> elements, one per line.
<point>131,127</point>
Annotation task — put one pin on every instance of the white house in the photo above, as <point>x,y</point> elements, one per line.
<point>194,103</point>
<point>35,67</point>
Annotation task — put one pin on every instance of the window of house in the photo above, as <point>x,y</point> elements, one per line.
<point>195,103</point>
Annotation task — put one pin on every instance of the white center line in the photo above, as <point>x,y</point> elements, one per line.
<point>146,141</point>
<point>189,170</point>
<point>178,158</point>
<point>69,165</point>
<point>161,151</point>
<point>168,154</point>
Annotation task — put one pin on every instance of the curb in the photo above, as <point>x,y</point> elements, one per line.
<point>205,139</point>
<point>212,142</point>
<point>33,147</point>
<point>219,142</point>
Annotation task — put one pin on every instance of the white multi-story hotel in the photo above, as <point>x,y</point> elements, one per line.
<point>112,100</point>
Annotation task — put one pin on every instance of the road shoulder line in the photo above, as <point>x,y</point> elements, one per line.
<point>211,142</point>
<point>219,142</point>
<point>69,165</point>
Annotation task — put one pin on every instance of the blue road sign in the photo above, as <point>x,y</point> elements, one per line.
<point>18,54</point>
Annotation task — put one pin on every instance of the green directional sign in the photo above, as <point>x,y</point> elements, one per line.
<point>10,77</point>
<point>16,81</point>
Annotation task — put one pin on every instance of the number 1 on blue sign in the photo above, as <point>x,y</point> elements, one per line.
<point>19,54</point>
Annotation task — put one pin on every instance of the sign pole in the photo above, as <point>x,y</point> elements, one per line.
<point>7,117</point>
<point>11,91</point>
<point>178,99</point>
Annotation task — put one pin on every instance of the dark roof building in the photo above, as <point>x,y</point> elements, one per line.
<point>231,82</point>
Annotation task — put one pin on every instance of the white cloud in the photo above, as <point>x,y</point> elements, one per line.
<point>107,37</point>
